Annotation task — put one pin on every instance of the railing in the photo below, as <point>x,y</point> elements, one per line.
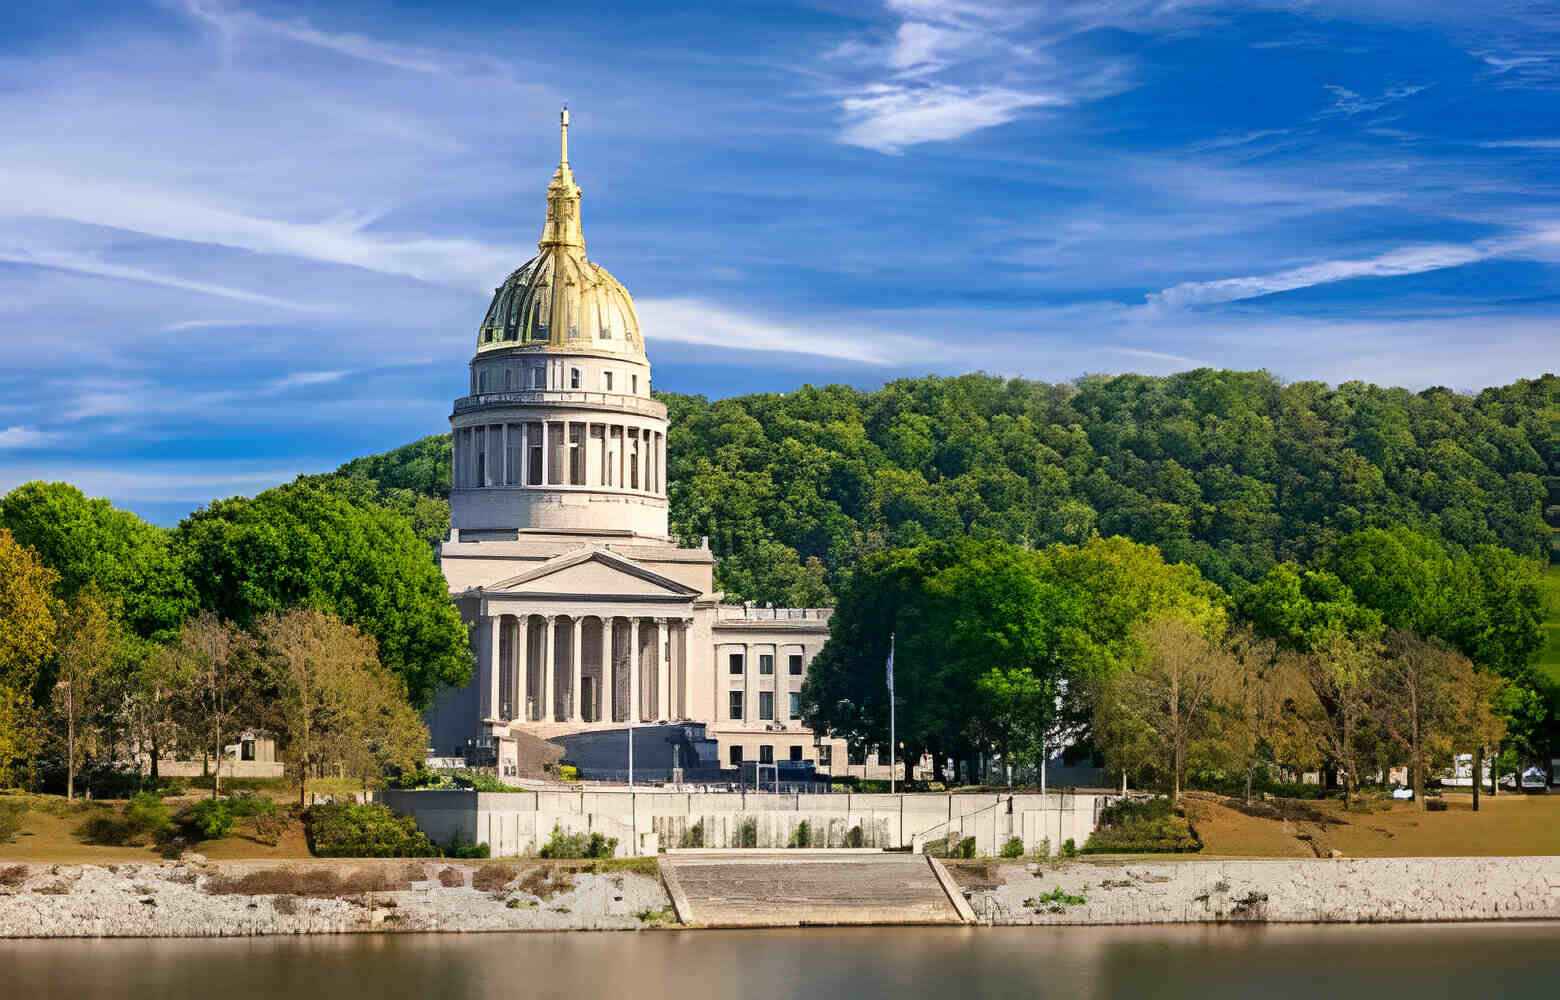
<point>942,840</point>
<point>618,402</point>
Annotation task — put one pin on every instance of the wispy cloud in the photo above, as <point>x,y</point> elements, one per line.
<point>81,263</point>
<point>706,324</point>
<point>890,117</point>
<point>1347,102</point>
<point>234,22</point>
<point>1395,263</point>
<point>18,437</point>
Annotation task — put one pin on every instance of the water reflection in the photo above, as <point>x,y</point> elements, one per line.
<point>1338,963</point>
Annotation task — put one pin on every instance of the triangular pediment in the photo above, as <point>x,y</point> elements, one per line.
<point>593,572</point>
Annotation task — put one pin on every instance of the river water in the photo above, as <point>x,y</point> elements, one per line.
<point>1337,962</point>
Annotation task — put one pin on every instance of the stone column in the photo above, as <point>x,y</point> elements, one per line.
<point>634,714</point>
<point>525,453</point>
<point>574,685</point>
<point>622,482</point>
<point>546,454</point>
<point>504,444</point>
<point>492,623</point>
<point>522,665</point>
<point>606,689</point>
<point>663,672</point>
<point>546,701</point>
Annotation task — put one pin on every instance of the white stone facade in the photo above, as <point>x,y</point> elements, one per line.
<point>584,612</point>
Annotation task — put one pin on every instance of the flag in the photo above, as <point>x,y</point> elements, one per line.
<point>890,663</point>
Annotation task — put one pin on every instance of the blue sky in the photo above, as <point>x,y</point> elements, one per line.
<point>240,241</point>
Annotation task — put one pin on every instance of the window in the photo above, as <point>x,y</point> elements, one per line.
<point>538,377</point>
<point>508,376</point>
<point>856,755</point>
<point>736,756</point>
<point>766,705</point>
<point>766,754</point>
<point>577,454</point>
<point>796,751</point>
<point>766,664</point>
<point>736,663</point>
<point>796,704</point>
<point>825,755</point>
<point>633,384</point>
<point>247,750</point>
<point>796,664</point>
<point>533,468</point>
<point>482,380</point>
<point>736,706</point>
<point>574,378</point>
<point>606,381</point>
<point>481,453</point>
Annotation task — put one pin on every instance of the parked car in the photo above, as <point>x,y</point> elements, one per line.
<point>1535,779</point>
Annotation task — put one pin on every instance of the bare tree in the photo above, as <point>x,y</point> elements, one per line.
<point>212,664</point>
<point>1337,676</point>
<point>89,643</point>
<point>1166,695</point>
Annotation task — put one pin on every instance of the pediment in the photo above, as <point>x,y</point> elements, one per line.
<point>591,572</point>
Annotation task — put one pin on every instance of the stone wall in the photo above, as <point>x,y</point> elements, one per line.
<point>1345,890</point>
<point>517,823</point>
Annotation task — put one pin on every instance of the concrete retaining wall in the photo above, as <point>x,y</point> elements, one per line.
<point>518,823</point>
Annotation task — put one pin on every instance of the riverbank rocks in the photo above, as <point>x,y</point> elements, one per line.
<point>178,899</point>
<point>1344,890</point>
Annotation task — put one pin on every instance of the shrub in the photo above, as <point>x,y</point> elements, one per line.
<point>568,772</point>
<point>210,819</point>
<point>461,849</point>
<point>148,813</point>
<point>1070,848</point>
<point>1043,848</point>
<point>351,830</point>
<point>802,835</point>
<point>693,836</point>
<point>855,838</point>
<point>578,845</point>
<point>484,783</point>
<point>747,833</point>
<point>1014,848</point>
<point>1151,826</point>
<point>1054,900</point>
<point>966,848</point>
<point>1435,805</point>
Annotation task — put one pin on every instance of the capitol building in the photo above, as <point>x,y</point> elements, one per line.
<point>587,616</point>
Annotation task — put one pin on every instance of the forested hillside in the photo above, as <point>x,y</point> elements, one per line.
<point>1230,471</point>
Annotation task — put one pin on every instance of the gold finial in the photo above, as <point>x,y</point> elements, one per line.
<point>563,135</point>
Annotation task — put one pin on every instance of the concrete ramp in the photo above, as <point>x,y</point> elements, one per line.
<point>810,886</point>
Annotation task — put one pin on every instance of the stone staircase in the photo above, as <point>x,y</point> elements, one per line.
<point>809,887</point>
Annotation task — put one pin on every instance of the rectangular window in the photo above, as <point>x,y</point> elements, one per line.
<point>766,754</point>
<point>796,751</point>
<point>633,384</point>
<point>574,378</point>
<point>766,706</point>
<point>796,664</point>
<point>736,706</point>
<point>766,664</point>
<point>480,448</point>
<point>482,380</point>
<point>516,456</point>
<point>796,704</point>
<point>736,756</point>
<point>509,374</point>
<point>577,454</point>
<point>555,454</point>
<point>606,381</point>
<point>538,377</point>
<point>736,663</point>
<point>825,755</point>
<point>533,474</point>
<point>633,458</point>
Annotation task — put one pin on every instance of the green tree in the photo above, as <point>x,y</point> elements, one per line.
<point>213,668</point>
<point>303,545</point>
<point>89,646</point>
<point>29,623</point>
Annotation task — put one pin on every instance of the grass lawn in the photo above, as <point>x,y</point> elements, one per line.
<point>1505,825</point>
<point>49,830</point>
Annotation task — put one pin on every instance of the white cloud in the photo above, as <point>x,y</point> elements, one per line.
<point>19,437</point>
<point>294,380</point>
<point>691,321</point>
<point>1522,144</point>
<point>1347,102</point>
<point>1395,263</point>
<point>889,117</point>
<point>233,21</point>
<point>81,263</point>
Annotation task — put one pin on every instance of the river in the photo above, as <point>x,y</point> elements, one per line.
<point>1336,962</point>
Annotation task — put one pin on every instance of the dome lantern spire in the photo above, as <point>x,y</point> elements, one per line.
<point>562,228</point>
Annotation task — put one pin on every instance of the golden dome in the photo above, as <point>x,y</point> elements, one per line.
<point>559,299</point>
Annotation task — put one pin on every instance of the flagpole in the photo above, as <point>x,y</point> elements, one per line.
<point>893,745</point>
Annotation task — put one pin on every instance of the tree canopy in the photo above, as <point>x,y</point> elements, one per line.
<point>307,545</point>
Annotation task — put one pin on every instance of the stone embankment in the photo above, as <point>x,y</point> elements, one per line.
<point>191,899</point>
<point>1354,890</point>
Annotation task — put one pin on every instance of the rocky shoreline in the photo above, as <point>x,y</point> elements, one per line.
<point>194,898</point>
